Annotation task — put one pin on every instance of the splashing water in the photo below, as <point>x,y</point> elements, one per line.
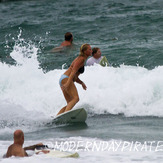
<point>29,95</point>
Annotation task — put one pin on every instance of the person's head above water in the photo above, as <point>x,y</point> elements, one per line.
<point>68,36</point>
<point>66,43</point>
<point>96,53</point>
<point>19,137</point>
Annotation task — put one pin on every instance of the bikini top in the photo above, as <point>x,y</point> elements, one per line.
<point>81,69</point>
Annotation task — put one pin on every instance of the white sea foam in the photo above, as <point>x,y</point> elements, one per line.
<point>131,90</point>
<point>27,95</point>
<point>97,151</point>
<point>134,91</point>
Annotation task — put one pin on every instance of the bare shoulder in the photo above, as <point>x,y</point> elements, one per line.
<point>15,150</point>
<point>80,60</point>
<point>9,151</point>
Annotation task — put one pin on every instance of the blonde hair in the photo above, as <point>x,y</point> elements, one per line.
<point>83,48</point>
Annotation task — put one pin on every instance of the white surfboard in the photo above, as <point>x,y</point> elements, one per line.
<point>58,153</point>
<point>72,116</point>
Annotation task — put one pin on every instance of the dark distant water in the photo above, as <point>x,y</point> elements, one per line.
<point>123,101</point>
<point>128,32</point>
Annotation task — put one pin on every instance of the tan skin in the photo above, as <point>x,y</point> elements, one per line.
<point>68,87</point>
<point>16,149</point>
<point>66,43</point>
<point>63,44</point>
<point>97,54</point>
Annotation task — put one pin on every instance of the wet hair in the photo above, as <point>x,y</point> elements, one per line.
<point>94,50</point>
<point>68,36</point>
<point>83,48</point>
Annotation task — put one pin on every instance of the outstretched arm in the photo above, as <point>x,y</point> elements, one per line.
<point>32,147</point>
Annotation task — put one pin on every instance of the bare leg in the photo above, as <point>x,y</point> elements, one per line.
<point>67,97</point>
<point>73,93</point>
<point>62,110</point>
<point>71,96</point>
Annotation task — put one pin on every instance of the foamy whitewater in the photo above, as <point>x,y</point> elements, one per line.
<point>131,90</point>
<point>29,97</point>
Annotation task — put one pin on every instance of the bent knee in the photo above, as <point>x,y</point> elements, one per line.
<point>76,99</point>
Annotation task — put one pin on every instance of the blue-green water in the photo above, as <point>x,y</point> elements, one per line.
<point>124,102</point>
<point>128,32</point>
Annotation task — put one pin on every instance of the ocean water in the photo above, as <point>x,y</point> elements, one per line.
<point>124,101</point>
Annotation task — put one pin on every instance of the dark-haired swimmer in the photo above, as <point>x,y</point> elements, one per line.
<point>72,75</point>
<point>68,39</point>
<point>67,43</point>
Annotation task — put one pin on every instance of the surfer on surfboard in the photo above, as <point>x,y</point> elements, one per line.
<point>71,75</point>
